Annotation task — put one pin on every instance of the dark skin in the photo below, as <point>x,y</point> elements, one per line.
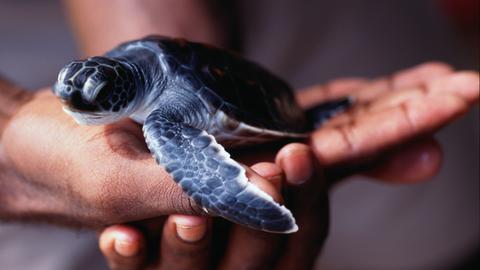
<point>54,170</point>
<point>50,188</point>
<point>418,158</point>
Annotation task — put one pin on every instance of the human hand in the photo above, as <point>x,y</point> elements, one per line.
<point>84,175</point>
<point>190,242</point>
<point>420,156</point>
<point>11,98</point>
<point>388,132</point>
<point>127,247</point>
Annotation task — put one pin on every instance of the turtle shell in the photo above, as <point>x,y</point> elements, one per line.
<point>224,81</point>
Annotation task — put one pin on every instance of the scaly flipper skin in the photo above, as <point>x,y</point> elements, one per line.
<point>207,174</point>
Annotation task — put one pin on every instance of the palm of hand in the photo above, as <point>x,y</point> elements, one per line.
<point>392,121</point>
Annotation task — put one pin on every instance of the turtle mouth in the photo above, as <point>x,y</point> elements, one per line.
<point>77,103</point>
<point>90,118</point>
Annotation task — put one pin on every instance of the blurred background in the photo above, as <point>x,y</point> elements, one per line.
<point>433,225</point>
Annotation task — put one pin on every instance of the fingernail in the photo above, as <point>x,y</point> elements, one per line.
<point>190,228</point>
<point>124,245</point>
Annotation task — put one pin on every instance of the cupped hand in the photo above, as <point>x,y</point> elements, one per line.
<point>192,242</point>
<point>387,135</point>
<point>388,132</point>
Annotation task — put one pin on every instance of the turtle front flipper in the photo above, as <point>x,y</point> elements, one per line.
<point>207,174</point>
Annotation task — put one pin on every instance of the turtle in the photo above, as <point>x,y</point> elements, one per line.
<point>194,102</point>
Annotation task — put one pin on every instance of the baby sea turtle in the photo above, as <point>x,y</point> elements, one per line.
<point>191,99</point>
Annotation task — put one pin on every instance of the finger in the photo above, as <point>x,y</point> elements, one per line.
<point>249,248</point>
<point>271,182</point>
<point>460,84</point>
<point>464,84</point>
<point>411,163</point>
<point>341,87</point>
<point>361,134</point>
<point>185,243</point>
<point>408,78</point>
<point>123,247</point>
<point>365,91</point>
<point>310,205</point>
<point>415,77</point>
<point>272,176</point>
<point>420,74</point>
<point>296,159</point>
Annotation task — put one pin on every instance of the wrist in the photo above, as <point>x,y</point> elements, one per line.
<point>24,198</point>
<point>12,97</point>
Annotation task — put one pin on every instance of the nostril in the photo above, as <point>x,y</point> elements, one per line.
<point>62,91</point>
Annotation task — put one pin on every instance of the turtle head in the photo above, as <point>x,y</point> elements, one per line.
<point>98,90</point>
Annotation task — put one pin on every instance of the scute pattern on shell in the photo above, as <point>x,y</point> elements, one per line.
<point>224,81</point>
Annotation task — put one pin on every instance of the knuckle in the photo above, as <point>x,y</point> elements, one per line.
<point>346,133</point>
<point>412,125</point>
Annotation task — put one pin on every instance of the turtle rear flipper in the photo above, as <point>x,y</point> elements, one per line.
<point>326,110</point>
<point>207,174</point>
